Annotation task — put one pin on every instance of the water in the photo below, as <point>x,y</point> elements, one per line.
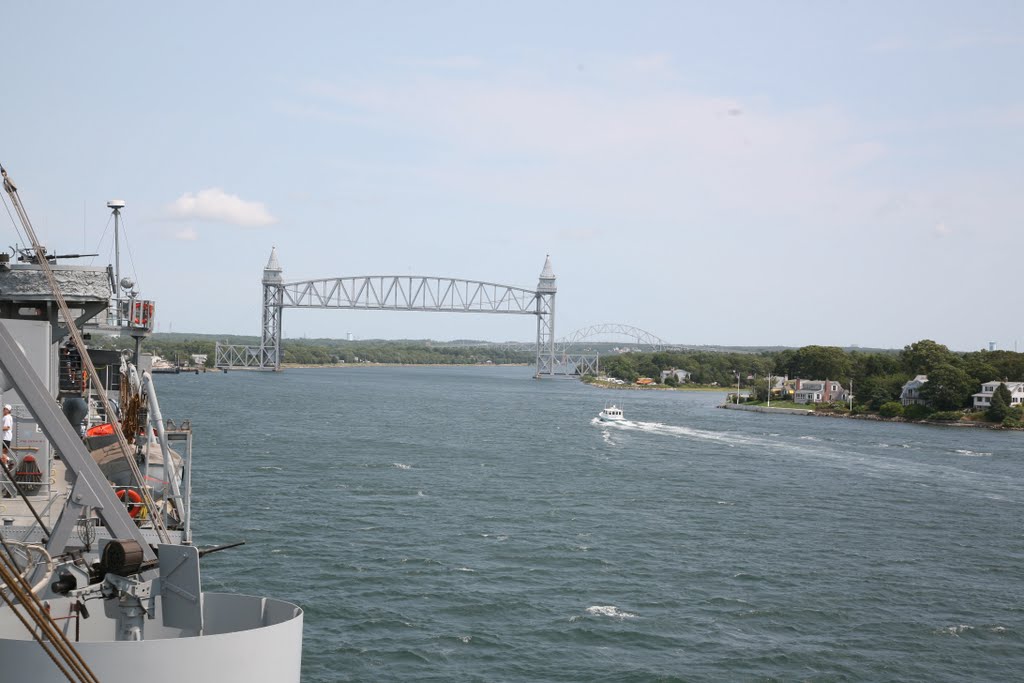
<point>474,524</point>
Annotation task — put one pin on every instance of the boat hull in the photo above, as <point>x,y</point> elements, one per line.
<point>253,638</point>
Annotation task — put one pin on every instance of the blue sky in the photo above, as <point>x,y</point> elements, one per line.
<point>753,173</point>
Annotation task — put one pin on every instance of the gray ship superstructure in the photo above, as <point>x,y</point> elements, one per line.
<point>100,578</point>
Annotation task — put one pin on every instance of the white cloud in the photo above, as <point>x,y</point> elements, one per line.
<point>943,230</point>
<point>187,234</point>
<point>214,204</point>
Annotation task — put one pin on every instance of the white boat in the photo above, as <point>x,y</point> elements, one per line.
<point>611,413</point>
<point>102,582</point>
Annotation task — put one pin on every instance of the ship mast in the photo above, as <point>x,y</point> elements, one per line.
<point>116,205</point>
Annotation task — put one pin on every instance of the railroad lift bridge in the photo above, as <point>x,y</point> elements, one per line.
<point>404,293</point>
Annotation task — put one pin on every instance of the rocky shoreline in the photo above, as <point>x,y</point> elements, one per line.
<point>871,417</point>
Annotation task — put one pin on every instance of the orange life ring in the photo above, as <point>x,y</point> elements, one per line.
<point>132,500</point>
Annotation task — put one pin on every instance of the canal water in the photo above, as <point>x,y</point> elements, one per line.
<point>475,524</point>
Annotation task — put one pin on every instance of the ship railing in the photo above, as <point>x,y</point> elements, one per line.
<point>72,377</point>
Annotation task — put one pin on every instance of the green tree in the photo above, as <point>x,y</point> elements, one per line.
<point>819,362</point>
<point>985,366</point>
<point>977,365</point>
<point>1000,406</point>
<point>948,388</point>
<point>921,357</point>
<point>647,368</point>
<point>1014,417</point>
<point>622,367</point>
<point>875,390</point>
<point>869,364</point>
<point>916,411</point>
<point>891,409</point>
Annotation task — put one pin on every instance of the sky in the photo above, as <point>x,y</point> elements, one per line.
<point>734,173</point>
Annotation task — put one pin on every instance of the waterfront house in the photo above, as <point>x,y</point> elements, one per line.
<point>681,375</point>
<point>911,393</point>
<point>819,391</point>
<point>983,399</point>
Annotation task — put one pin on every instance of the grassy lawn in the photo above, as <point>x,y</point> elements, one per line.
<point>779,403</point>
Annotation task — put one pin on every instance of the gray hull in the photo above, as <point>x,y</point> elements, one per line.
<point>246,639</point>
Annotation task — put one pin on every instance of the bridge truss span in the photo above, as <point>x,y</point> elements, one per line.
<point>641,337</point>
<point>396,293</point>
<point>409,293</point>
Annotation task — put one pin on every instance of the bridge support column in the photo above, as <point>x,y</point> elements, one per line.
<point>546,290</point>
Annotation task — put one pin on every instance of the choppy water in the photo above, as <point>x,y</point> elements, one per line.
<point>473,524</point>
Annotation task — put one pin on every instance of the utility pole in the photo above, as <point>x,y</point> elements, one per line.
<point>769,390</point>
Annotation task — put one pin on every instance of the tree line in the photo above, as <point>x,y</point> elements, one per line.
<point>877,377</point>
<point>327,351</point>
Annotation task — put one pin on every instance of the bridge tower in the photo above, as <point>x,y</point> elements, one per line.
<point>546,290</point>
<point>273,299</point>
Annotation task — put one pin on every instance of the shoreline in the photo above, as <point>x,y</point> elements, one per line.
<point>400,365</point>
<point>651,387</point>
<point>871,418</point>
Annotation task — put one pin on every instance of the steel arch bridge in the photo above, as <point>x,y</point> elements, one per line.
<point>641,336</point>
<point>396,293</point>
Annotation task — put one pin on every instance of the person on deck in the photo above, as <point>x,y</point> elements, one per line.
<point>8,466</point>
<point>8,427</point>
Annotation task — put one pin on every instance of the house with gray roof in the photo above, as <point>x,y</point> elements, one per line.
<point>819,391</point>
<point>911,392</point>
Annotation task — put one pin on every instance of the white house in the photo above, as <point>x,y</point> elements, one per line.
<point>682,375</point>
<point>819,391</point>
<point>911,393</point>
<point>983,399</point>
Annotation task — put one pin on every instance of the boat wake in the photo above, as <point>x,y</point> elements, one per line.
<point>727,438</point>
<point>871,464</point>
